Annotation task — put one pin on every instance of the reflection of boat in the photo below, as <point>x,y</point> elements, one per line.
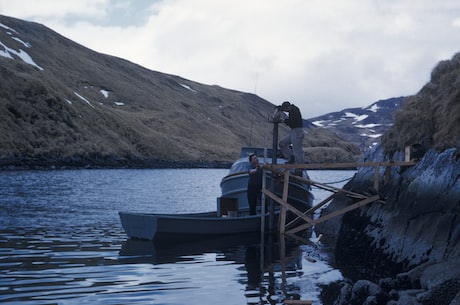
<point>234,185</point>
<point>231,216</point>
<point>169,251</point>
<point>232,246</point>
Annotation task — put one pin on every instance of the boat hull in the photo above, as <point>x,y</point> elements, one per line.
<point>177,226</point>
<point>201,225</point>
<point>235,186</point>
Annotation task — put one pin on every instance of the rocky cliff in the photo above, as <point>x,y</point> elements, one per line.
<point>410,246</point>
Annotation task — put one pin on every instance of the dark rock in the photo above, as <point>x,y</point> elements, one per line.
<point>363,289</point>
<point>442,294</point>
<point>456,300</point>
<point>345,295</point>
<point>412,241</point>
<point>387,284</point>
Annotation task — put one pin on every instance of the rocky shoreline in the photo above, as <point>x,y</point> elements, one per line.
<point>100,162</point>
<point>411,243</point>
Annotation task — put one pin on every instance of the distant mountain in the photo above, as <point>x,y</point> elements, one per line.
<point>64,105</point>
<point>361,126</point>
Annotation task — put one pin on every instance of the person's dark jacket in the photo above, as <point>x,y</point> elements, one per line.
<point>255,180</point>
<point>295,118</point>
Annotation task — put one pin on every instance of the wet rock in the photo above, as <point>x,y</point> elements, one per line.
<point>362,292</point>
<point>406,297</point>
<point>456,300</point>
<point>415,236</point>
<point>442,294</point>
<point>367,292</point>
<point>387,284</point>
<point>345,295</point>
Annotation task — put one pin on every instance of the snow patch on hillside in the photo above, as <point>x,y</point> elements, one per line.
<point>188,88</point>
<point>105,93</point>
<point>84,99</point>
<point>8,52</point>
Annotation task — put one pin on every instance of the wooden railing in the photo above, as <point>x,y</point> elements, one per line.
<point>363,199</point>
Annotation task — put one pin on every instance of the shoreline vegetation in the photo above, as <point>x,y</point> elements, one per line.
<point>49,163</point>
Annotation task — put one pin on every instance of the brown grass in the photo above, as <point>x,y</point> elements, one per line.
<point>432,116</point>
<point>160,118</point>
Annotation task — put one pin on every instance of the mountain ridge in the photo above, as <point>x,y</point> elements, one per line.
<point>362,126</point>
<point>64,105</point>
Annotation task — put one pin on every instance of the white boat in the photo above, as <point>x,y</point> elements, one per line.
<point>231,216</point>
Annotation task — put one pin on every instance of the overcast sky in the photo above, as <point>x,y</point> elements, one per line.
<point>322,55</point>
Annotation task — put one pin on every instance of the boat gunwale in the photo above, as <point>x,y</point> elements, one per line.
<point>195,216</point>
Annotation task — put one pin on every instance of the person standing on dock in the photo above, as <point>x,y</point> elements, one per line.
<point>295,136</point>
<point>254,191</point>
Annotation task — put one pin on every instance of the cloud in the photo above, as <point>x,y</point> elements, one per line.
<point>53,9</point>
<point>321,55</point>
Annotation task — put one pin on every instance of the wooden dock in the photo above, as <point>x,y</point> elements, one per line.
<point>306,221</point>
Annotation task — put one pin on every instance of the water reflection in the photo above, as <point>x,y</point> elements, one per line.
<point>263,268</point>
<point>268,269</point>
<point>94,265</point>
<point>61,242</point>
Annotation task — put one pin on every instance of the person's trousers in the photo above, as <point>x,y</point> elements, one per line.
<point>254,195</point>
<point>295,137</point>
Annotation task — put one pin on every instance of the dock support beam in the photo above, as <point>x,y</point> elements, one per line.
<point>309,222</point>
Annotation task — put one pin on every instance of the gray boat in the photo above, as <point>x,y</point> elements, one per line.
<point>231,216</point>
<point>234,184</point>
<point>161,227</point>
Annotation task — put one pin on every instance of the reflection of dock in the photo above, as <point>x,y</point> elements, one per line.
<point>269,259</point>
<point>160,252</point>
<point>285,172</point>
<point>361,199</point>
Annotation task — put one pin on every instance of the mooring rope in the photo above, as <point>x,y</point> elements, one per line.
<point>343,180</point>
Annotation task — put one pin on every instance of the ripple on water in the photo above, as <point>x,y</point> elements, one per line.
<point>61,242</point>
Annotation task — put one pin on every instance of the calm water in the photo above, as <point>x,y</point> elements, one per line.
<point>61,242</point>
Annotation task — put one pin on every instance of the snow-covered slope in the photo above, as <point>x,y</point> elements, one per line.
<point>362,126</point>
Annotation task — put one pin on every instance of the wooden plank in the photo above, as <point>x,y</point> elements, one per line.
<point>287,205</point>
<point>331,188</point>
<point>279,168</point>
<point>311,210</point>
<point>319,205</point>
<point>349,208</point>
<point>407,153</point>
<point>334,214</point>
<point>298,302</point>
<point>387,175</point>
<point>376,178</point>
<point>340,165</point>
<point>282,223</point>
<point>323,186</point>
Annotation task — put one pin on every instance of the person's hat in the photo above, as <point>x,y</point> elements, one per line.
<point>285,105</point>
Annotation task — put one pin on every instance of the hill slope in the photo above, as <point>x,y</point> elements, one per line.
<point>64,104</point>
<point>431,118</point>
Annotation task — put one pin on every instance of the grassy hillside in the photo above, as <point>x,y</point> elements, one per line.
<point>431,118</point>
<point>73,106</point>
